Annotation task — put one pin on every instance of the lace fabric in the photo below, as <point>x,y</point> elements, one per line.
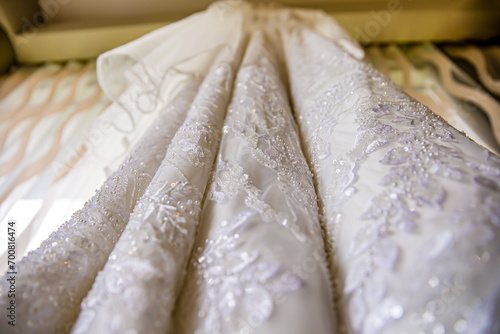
<point>241,222</point>
<point>260,252</point>
<point>406,198</point>
<point>138,286</point>
<point>55,278</point>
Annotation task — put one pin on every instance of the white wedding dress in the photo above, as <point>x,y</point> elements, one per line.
<point>410,203</point>
<point>285,187</point>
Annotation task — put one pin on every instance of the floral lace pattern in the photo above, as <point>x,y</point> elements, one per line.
<point>162,225</point>
<point>421,162</point>
<point>196,140</point>
<point>139,284</point>
<point>230,179</point>
<point>81,246</point>
<point>240,283</point>
<point>235,285</point>
<point>271,144</point>
<point>365,191</point>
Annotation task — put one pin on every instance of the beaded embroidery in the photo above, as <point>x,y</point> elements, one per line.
<point>421,163</point>
<point>81,246</point>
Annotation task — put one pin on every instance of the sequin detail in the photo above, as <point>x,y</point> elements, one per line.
<point>75,253</point>
<point>234,284</point>
<point>139,284</point>
<point>368,141</point>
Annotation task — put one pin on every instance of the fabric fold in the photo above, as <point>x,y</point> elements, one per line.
<point>150,63</point>
<point>137,289</point>
<point>54,279</point>
<point>406,198</point>
<point>242,222</point>
<point>259,263</point>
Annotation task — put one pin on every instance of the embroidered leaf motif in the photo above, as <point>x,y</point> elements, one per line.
<point>258,301</point>
<point>375,288</point>
<point>357,311</point>
<point>396,156</point>
<point>436,245</point>
<point>356,276</point>
<point>385,253</point>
